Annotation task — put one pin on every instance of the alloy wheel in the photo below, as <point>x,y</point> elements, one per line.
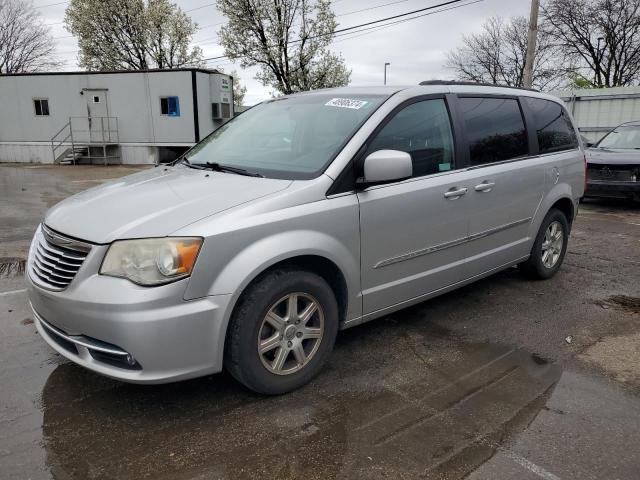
<point>552,244</point>
<point>290,333</point>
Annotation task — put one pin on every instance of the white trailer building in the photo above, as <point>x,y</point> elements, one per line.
<point>110,117</point>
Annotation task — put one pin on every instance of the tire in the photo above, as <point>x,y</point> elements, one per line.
<point>304,345</point>
<point>542,267</point>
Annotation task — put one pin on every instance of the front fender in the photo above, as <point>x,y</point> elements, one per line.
<point>259,256</point>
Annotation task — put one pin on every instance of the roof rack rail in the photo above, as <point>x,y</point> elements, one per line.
<point>476,84</point>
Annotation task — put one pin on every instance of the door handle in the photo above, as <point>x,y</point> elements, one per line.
<point>454,194</point>
<point>485,187</point>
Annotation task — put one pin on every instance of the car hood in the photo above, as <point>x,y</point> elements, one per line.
<point>613,156</point>
<point>154,203</point>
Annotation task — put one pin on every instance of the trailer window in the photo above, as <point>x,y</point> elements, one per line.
<point>170,106</point>
<point>41,107</point>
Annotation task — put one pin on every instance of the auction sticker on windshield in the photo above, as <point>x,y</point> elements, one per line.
<point>346,103</point>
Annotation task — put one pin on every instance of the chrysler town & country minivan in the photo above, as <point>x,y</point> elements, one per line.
<point>305,215</point>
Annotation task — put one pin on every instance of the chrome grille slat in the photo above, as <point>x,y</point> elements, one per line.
<point>62,253</point>
<point>41,259</point>
<point>52,272</point>
<point>46,279</point>
<point>42,252</point>
<point>52,266</point>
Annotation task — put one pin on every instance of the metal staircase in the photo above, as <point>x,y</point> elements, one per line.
<point>87,140</point>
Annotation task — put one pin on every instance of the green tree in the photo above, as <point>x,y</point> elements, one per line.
<point>131,34</point>
<point>239,90</point>
<point>287,39</point>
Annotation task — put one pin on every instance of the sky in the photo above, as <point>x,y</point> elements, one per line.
<point>416,49</point>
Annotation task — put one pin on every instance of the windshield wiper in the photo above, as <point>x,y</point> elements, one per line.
<point>223,168</point>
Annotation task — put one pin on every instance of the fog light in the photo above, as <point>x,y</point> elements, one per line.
<point>130,360</point>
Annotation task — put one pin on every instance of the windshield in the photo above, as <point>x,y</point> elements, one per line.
<point>292,137</point>
<point>622,137</point>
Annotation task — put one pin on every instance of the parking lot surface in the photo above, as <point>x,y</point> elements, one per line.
<point>505,378</point>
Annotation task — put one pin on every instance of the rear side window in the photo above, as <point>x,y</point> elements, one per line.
<point>423,130</point>
<point>495,129</point>
<point>552,125</point>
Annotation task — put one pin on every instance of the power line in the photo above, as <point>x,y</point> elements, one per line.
<point>200,7</point>
<point>51,4</point>
<point>371,8</point>
<point>374,29</point>
<point>373,22</point>
<point>338,15</point>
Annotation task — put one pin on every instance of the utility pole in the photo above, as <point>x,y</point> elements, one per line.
<point>531,44</point>
<point>385,72</point>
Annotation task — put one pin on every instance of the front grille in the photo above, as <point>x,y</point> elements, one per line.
<point>614,173</point>
<point>52,265</point>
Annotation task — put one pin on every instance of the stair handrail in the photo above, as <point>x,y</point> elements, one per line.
<point>54,139</point>
<point>105,126</point>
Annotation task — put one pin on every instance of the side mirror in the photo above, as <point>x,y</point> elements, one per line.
<point>589,144</point>
<point>386,166</point>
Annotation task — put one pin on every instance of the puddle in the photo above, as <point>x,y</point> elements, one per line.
<point>621,302</point>
<point>395,418</point>
<point>12,267</point>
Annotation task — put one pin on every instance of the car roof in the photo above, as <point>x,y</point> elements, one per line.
<point>434,87</point>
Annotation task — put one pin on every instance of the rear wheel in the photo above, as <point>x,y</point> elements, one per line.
<point>282,331</point>
<point>549,248</point>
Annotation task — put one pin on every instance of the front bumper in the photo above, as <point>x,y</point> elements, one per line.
<point>132,333</point>
<point>605,189</point>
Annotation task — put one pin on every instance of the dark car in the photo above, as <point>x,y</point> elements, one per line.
<point>613,164</point>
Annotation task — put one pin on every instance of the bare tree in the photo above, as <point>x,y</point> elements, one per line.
<point>25,43</point>
<point>602,37</point>
<point>131,34</point>
<point>497,54</point>
<point>287,39</point>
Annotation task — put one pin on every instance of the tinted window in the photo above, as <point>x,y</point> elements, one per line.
<point>423,130</point>
<point>495,129</point>
<point>552,125</point>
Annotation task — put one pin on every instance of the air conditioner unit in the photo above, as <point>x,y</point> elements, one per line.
<point>225,110</point>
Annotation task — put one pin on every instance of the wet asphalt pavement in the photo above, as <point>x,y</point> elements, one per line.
<point>505,378</point>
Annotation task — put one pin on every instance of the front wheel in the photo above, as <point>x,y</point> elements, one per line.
<point>549,247</point>
<point>282,331</point>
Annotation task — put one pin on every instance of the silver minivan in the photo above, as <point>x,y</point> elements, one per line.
<point>305,215</point>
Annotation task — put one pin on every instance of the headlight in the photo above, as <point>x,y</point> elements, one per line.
<point>152,261</point>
